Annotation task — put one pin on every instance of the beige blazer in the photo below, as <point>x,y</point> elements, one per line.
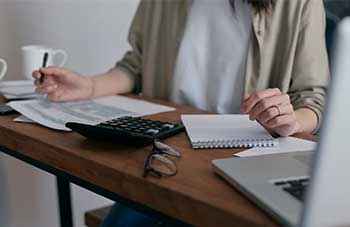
<point>287,50</point>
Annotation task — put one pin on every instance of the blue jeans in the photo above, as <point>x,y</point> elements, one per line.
<point>122,216</point>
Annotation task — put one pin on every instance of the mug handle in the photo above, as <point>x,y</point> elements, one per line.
<point>4,68</point>
<point>64,55</point>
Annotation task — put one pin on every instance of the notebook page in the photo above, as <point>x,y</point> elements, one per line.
<point>218,121</point>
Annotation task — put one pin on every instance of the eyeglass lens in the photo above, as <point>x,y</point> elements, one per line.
<point>166,149</point>
<point>163,165</point>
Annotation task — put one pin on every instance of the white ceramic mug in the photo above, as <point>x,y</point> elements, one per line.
<point>32,58</point>
<point>3,68</point>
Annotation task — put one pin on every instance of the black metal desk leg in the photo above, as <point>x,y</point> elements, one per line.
<point>64,202</point>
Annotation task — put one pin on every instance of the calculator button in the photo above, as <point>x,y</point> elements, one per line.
<point>106,127</point>
<point>152,131</point>
<point>168,126</point>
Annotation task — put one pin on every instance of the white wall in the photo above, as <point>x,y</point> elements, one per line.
<point>92,31</point>
<point>94,34</point>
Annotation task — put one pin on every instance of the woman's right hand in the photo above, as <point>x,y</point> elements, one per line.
<point>61,84</point>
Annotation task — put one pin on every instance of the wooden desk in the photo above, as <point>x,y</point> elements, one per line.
<point>196,195</point>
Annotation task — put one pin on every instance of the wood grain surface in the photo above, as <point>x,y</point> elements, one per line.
<point>196,195</point>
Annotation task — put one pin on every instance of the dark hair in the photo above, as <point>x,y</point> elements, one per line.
<point>260,5</point>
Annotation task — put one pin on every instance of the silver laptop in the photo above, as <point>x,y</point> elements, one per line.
<point>277,182</point>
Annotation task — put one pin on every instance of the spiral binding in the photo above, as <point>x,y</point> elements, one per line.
<point>235,143</point>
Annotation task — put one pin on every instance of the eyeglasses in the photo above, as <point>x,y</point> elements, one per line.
<point>158,161</point>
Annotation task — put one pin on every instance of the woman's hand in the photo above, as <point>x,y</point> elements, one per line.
<point>273,110</point>
<point>61,84</point>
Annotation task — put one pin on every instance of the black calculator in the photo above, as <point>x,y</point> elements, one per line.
<point>5,110</point>
<point>128,130</point>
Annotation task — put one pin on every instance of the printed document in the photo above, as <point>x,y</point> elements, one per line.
<point>55,115</point>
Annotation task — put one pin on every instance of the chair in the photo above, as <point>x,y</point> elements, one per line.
<point>335,11</point>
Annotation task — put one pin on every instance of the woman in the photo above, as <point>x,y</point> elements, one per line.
<point>213,54</point>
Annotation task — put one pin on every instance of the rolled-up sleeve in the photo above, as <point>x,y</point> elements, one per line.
<point>311,68</point>
<point>131,63</point>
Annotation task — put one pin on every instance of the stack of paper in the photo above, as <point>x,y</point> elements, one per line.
<point>56,115</point>
<point>21,89</point>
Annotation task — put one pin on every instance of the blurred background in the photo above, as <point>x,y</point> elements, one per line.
<point>336,10</point>
<point>93,32</point>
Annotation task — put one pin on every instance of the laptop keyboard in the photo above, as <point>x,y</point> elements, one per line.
<point>296,187</point>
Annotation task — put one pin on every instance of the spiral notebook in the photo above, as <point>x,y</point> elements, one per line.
<point>226,131</point>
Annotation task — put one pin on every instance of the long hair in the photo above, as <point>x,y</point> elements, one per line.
<point>260,5</point>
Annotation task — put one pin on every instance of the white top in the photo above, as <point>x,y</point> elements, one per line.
<point>210,68</point>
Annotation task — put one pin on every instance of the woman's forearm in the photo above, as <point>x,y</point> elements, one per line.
<point>113,82</point>
<point>307,120</point>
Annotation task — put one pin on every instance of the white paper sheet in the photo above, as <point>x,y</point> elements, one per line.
<point>23,119</point>
<point>15,83</point>
<point>287,144</point>
<point>55,115</point>
<point>18,91</point>
<point>23,97</point>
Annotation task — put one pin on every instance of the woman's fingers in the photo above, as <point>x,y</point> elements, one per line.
<point>56,96</point>
<point>50,74</point>
<point>48,81</point>
<point>246,97</point>
<point>273,112</point>
<point>36,74</point>
<point>287,130</point>
<point>280,120</point>
<point>55,71</point>
<point>254,99</point>
<point>46,89</point>
<point>60,95</point>
<point>267,115</point>
<point>61,84</point>
<point>37,82</point>
<point>267,103</point>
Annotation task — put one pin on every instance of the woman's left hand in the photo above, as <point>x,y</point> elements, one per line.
<point>273,110</point>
